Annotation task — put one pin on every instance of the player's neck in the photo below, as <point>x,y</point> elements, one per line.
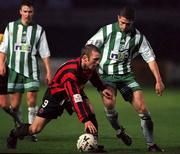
<point>25,23</point>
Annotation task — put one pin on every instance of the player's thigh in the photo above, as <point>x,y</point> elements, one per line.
<point>138,101</point>
<point>15,99</point>
<point>127,85</point>
<point>31,86</point>
<point>50,107</point>
<point>4,103</point>
<point>110,103</point>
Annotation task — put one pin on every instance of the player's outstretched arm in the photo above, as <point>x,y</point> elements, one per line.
<point>159,86</point>
<point>48,69</point>
<point>2,64</point>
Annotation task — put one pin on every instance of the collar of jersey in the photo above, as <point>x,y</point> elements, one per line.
<point>30,24</point>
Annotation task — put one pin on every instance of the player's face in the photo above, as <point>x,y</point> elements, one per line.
<point>124,24</point>
<point>26,13</point>
<point>93,60</point>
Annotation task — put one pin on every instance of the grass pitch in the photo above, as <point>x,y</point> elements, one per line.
<point>60,136</point>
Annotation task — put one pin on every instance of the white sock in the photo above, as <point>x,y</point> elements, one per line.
<point>32,111</point>
<point>147,127</point>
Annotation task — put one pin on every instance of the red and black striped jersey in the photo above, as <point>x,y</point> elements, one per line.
<point>69,80</point>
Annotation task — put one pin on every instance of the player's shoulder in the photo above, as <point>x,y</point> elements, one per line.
<point>111,28</point>
<point>35,24</point>
<point>72,63</point>
<point>138,33</point>
<point>40,26</point>
<point>11,22</point>
<point>110,25</point>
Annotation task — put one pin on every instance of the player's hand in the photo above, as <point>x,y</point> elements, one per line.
<point>159,87</point>
<point>90,128</point>
<point>107,93</point>
<point>48,77</point>
<point>2,69</point>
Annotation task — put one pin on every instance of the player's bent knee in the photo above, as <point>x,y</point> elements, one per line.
<point>141,108</point>
<point>109,104</point>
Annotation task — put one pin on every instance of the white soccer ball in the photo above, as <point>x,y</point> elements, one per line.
<point>86,143</point>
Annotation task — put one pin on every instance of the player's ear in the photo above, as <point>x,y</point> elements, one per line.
<point>20,12</point>
<point>85,58</point>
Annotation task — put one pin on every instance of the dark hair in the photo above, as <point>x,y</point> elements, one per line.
<point>27,3</point>
<point>87,50</point>
<point>127,12</point>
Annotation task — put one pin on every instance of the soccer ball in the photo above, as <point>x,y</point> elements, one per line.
<point>86,143</point>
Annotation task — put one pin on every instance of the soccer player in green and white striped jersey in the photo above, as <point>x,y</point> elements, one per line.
<point>23,41</point>
<point>119,43</point>
<point>4,101</point>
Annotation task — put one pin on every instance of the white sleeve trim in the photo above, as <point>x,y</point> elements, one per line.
<point>146,50</point>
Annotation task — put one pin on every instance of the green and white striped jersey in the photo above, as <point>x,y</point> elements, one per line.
<point>119,48</point>
<point>22,44</point>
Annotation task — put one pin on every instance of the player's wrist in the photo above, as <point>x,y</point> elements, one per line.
<point>85,120</point>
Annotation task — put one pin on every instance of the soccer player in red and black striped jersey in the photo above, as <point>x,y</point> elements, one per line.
<point>66,92</point>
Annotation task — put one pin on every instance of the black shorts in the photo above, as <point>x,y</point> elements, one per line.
<point>51,108</point>
<point>3,84</point>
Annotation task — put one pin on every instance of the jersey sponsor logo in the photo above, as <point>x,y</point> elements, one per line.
<point>41,110</point>
<point>22,47</point>
<point>77,98</point>
<point>119,56</point>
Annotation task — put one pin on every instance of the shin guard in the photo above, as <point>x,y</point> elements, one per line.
<point>147,127</point>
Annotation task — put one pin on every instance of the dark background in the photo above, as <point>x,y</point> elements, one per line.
<point>70,23</point>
